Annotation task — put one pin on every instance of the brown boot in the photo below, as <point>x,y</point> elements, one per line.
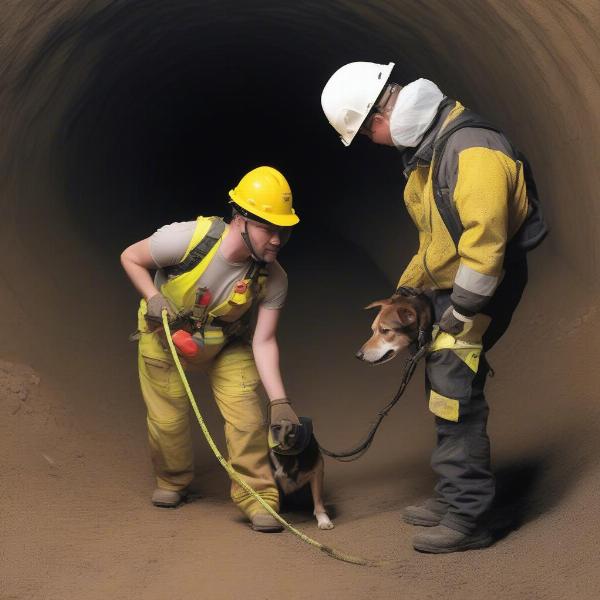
<point>266,523</point>
<point>440,539</point>
<point>428,514</point>
<point>167,498</point>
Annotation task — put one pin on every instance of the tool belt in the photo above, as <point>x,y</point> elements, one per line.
<point>213,331</point>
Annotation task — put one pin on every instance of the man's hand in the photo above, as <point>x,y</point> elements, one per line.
<point>155,306</point>
<point>453,322</point>
<point>281,417</point>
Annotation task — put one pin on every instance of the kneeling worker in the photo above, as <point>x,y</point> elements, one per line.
<point>224,284</point>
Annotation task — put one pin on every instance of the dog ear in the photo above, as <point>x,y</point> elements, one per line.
<point>377,303</point>
<point>407,315</point>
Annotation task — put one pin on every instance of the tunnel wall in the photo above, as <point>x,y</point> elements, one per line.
<point>66,115</point>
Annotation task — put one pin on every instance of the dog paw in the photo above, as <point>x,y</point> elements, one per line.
<point>323,521</point>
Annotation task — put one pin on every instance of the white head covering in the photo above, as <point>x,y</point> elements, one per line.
<point>414,111</point>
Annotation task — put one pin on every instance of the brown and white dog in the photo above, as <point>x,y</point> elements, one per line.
<point>399,323</point>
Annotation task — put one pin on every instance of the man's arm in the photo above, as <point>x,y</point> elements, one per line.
<point>485,180</point>
<point>266,352</point>
<point>266,357</point>
<point>137,262</point>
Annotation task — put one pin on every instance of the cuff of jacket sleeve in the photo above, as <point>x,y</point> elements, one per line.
<point>467,303</point>
<point>464,312</point>
<point>472,290</point>
<point>461,317</point>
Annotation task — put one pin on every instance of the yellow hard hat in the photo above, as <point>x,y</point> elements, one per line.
<point>264,194</point>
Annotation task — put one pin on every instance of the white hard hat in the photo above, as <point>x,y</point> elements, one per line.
<point>350,94</point>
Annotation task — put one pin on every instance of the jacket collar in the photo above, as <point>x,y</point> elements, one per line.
<point>423,153</point>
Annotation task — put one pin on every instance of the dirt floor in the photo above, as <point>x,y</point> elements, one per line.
<point>77,520</point>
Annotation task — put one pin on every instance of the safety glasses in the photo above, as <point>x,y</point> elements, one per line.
<point>384,107</point>
<point>271,230</point>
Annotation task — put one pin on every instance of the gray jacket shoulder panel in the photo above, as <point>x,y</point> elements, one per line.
<point>469,137</point>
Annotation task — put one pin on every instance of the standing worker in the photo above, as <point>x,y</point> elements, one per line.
<point>222,286</point>
<point>473,200</point>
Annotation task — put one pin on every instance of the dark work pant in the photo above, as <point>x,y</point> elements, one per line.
<point>461,459</point>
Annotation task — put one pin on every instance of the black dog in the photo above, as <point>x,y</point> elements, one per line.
<point>300,465</point>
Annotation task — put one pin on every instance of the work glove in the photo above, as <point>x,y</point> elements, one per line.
<point>154,309</point>
<point>453,322</point>
<point>282,418</point>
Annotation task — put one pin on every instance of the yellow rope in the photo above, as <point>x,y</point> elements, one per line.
<point>356,560</point>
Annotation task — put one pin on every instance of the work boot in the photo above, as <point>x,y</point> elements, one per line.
<point>265,523</point>
<point>428,514</point>
<point>441,539</point>
<point>167,498</point>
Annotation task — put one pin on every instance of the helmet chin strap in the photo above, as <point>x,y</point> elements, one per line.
<point>248,242</point>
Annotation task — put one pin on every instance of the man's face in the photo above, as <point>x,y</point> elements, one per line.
<point>377,129</point>
<point>267,240</point>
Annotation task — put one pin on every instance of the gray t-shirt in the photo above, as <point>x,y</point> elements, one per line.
<point>168,245</point>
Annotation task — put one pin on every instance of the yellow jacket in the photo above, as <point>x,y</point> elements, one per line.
<point>486,183</point>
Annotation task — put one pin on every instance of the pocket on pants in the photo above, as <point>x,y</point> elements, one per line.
<point>450,376</point>
<point>443,407</point>
<point>164,375</point>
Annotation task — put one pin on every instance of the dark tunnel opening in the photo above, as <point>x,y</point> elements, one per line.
<point>178,107</point>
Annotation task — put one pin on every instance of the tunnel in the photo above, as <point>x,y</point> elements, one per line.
<point>121,116</point>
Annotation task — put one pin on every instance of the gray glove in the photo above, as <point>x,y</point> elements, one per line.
<point>281,418</point>
<point>154,310</point>
<point>453,322</point>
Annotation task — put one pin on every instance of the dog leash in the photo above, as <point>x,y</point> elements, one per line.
<point>358,451</point>
<point>334,553</point>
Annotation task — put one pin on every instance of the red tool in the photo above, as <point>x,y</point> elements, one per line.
<point>184,343</point>
<point>187,343</point>
<point>204,297</point>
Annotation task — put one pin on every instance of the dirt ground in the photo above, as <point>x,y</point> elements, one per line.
<point>77,520</point>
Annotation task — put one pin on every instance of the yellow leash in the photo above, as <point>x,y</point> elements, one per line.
<point>355,560</point>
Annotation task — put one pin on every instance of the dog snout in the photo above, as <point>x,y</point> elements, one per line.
<point>360,355</point>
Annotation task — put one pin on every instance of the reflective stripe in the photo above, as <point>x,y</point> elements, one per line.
<point>443,407</point>
<point>475,282</point>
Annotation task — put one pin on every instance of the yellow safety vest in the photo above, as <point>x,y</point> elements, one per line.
<point>180,288</point>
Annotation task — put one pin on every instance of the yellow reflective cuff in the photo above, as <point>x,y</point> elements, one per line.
<point>445,408</point>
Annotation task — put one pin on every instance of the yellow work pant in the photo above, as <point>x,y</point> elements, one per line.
<point>234,381</point>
